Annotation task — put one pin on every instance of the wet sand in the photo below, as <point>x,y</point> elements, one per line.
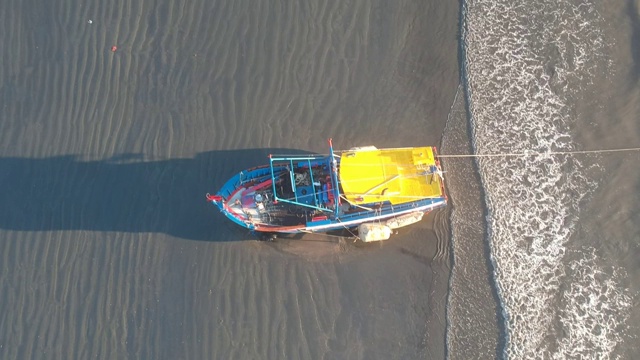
<point>476,327</point>
<point>108,247</point>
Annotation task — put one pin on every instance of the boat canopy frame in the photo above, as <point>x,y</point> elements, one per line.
<point>292,162</point>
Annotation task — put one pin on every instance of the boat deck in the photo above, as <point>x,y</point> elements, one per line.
<point>397,175</point>
<point>320,193</point>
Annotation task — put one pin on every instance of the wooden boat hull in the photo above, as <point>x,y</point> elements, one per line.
<point>303,194</point>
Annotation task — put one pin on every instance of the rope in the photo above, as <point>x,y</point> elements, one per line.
<point>355,237</point>
<point>542,153</point>
<point>525,154</point>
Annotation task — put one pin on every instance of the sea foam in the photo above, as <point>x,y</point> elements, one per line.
<point>524,63</point>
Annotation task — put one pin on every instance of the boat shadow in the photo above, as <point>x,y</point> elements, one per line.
<point>127,193</point>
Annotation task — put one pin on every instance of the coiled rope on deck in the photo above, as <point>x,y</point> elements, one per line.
<point>526,154</point>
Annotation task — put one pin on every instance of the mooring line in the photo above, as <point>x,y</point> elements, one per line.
<point>526,154</point>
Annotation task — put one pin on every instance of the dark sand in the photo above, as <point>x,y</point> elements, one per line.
<point>475,328</point>
<point>108,248</point>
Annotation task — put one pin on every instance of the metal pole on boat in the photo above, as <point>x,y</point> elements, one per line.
<point>334,178</point>
<point>273,180</point>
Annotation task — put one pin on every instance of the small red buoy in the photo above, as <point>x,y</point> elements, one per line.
<point>114,48</point>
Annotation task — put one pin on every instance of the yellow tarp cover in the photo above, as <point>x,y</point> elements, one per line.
<point>398,175</point>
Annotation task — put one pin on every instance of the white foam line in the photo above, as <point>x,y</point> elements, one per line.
<point>522,59</point>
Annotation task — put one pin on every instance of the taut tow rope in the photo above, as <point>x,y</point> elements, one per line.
<point>526,154</point>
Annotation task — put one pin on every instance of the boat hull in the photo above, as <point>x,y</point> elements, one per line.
<point>304,195</point>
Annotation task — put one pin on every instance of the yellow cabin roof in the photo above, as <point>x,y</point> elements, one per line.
<point>398,175</point>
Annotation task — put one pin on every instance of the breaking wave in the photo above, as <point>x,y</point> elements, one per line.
<point>524,63</point>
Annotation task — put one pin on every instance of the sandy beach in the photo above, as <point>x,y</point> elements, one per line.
<point>108,248</point>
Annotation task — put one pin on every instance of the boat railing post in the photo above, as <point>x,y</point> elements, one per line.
<point>292,175</point>
<point>313,187</point>
<point>334,179</point>
<point>273,180</point>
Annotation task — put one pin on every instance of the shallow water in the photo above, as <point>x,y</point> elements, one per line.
<point>551,76</point>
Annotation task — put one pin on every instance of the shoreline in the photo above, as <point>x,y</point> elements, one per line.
<point>471,293</point>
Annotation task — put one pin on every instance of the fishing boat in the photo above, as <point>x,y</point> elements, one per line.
<point>369,190</point>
